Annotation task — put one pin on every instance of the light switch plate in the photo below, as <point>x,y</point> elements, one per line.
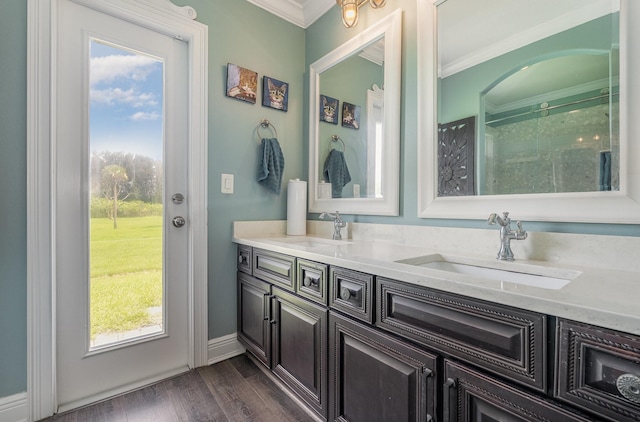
<point>226,183</point>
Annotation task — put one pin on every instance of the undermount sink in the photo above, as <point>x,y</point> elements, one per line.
<point>311,242</point>
<point>508,272</point>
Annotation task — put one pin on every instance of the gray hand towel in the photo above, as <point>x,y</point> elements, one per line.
<point>336,172</point>
<point>271,166</point>
<point>605,171</point>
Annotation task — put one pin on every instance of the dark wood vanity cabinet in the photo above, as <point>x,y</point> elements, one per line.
<point>286,332</point>
<point>359,347</point>
<point>375,377</point>
<point>598,370</point>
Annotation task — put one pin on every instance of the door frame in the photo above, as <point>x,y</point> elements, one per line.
<point>158,15</point>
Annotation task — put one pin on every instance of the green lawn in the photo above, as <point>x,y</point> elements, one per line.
<point>126,272</point>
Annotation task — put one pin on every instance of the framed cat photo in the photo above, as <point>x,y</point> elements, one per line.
<point>329,109</point>
<point>350,115</point>
<point>242,84</point>
<point>275,93</point>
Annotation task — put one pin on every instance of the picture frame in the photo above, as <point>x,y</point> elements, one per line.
<point>275,93</point>
<point>350,115</point>
<point>329,109</point>
<point>242,84</point>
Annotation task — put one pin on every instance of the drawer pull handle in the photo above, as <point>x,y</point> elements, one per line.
<point>345,294</point>
<point>450,396</point>
<point>629,386</point>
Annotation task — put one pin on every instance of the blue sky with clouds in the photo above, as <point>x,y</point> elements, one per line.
<point>126,102</point>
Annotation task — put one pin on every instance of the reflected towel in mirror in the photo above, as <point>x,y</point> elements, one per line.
<point>336,172</point>
<point>605,171</point>
<point>271,165</point>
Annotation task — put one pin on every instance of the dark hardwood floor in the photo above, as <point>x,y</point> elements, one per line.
<point>232,390</point>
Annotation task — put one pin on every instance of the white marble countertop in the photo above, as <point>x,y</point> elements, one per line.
<point>604,297</point>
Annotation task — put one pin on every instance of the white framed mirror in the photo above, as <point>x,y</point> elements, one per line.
<point>354,123</point>
<point>619,205</point>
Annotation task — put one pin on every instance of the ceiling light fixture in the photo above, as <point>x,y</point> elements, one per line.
<point>350,9</point>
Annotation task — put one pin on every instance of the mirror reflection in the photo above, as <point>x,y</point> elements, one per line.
<point>533,106</point>
<point>350,133</point>
<point>354,123</point>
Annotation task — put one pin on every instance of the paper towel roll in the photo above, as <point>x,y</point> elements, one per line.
<point>297,208</point>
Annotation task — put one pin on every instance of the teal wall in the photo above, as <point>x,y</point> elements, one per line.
<point>250,37</point>
<point>247,36</point>
<point>13,185</point>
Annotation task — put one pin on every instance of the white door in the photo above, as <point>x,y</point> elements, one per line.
<point>120,157</point>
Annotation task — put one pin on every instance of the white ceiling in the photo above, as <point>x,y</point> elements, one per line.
<point>299,12</point>
<point>473,31</point>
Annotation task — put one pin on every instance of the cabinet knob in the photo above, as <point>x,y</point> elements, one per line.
<point>345,294</point>
<point>629,386</point>
<point>307,281</point>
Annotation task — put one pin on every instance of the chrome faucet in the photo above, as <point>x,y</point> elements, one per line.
<point>506,234</point>
<point>337,224</point>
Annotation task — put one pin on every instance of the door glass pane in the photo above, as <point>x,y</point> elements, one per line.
<point>126,286</point>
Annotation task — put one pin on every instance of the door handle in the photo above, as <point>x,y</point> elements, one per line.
<point>179,221</point>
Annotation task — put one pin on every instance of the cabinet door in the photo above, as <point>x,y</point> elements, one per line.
<point>376,377</point>
<point>470,396</point>
<point>299,335</point>
<point>253,317</point>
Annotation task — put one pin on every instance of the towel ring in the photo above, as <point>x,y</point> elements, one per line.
<point>335,139</point>
<point>265,124</point>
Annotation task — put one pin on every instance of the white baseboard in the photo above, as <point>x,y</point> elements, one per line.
<point>224,347</point>
<point>13,408</point>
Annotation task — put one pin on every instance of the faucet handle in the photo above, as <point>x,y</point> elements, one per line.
<point>326,214</point>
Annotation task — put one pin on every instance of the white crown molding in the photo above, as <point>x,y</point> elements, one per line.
<point>299,12</point>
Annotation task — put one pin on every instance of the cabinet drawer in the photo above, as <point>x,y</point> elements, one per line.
<point>244,259</point>
<point>311,280</point>
<point>598,370</point>
<point>471,396</point>
<point>507,341</point>
<point>351,292</point>
<point>274,267</point>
